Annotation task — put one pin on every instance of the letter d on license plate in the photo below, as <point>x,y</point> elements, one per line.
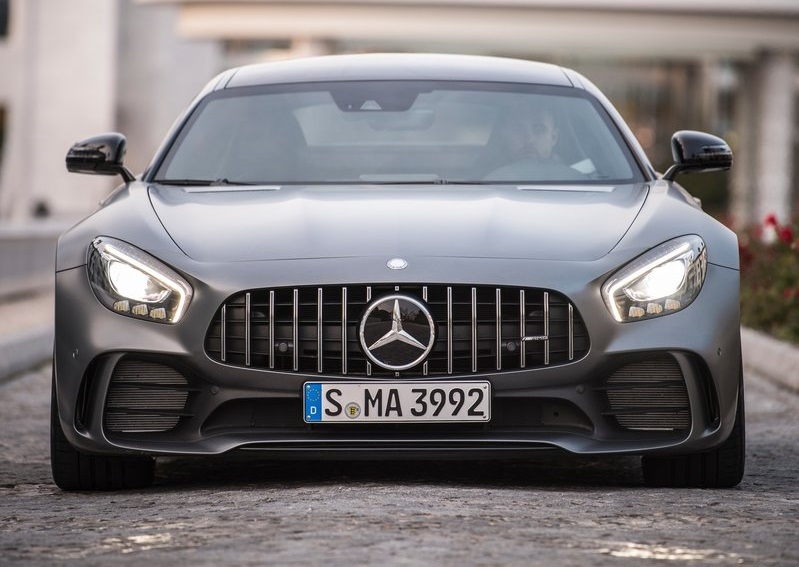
<point>412,402</point>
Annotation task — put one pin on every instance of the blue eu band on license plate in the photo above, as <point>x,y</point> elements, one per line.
<point>413,402</point>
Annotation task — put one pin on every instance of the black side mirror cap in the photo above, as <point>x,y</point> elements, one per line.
<point>697,151</point>
<point>100,155</point>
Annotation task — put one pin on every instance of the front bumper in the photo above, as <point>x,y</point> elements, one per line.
<point>567,406</point>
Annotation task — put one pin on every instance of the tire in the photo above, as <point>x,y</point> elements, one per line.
<point>722,467</point>
<point>73,470</point>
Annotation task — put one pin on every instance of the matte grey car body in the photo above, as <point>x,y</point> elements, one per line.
<point>255,291</point>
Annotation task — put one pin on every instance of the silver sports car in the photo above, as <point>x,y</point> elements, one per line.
<point>398,256</point>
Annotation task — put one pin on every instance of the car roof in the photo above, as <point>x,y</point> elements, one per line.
<point>398,67</point>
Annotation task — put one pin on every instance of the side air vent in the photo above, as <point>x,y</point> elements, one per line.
<point>145,397</point>
<point>649,396</point>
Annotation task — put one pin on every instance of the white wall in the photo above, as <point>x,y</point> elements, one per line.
<point>71,69</point>
<point>57,69</point>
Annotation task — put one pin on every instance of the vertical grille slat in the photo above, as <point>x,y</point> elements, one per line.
<point>499,329</point>
<point>546,328</point>
<point>450,340</point>
<point>247,327</point>
<point>474,329</point>
<point>344,338</point>
<point>571,332</point>
<point>522,329</point>
<point>316,329</point>
<point>295,329</point>
<point>319,331</point>
<point>223,333</point>
<point>271,329</point>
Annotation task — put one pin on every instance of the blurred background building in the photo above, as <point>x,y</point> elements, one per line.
<point>70,69</point>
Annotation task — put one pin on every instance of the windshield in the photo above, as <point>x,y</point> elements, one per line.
<point>398,132</point>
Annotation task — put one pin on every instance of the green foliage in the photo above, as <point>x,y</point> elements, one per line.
<point>770,279</point>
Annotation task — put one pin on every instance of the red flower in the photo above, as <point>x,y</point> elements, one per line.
<point>790,293</point>
<point>747,257</point>
<point>785,235</point>
<point>771,220</point>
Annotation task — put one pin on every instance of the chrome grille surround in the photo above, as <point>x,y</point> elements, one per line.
<point>478,329</point>
<point>649,395</point>
<point>145,397</point>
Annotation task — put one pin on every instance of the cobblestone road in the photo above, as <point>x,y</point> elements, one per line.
<point>245,511</point>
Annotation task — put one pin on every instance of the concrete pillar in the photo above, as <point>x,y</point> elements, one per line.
<point>776,108</point>
<point>706,94</point>
<point>158,75</point>
<point>744,145</point>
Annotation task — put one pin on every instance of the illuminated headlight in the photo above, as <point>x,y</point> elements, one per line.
<point>131,282</point>
<point>664,280</point>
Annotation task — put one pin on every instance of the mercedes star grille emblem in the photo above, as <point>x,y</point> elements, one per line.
<point>397,332</point>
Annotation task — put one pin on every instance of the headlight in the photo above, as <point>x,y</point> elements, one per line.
<point>664,280</point>
<point>131,282</point>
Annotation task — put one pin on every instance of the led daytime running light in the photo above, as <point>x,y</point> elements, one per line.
<point>130,282</point>
<point>662,281</point>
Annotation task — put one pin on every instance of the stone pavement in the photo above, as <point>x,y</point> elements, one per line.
<point>26,340</point>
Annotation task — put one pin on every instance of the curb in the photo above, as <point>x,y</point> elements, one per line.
<point>24,351</point>
<point>775,360</point>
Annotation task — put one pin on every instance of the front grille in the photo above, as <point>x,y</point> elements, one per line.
<point>316,330</point>
<point>649,396</point>
<point>145,397</point>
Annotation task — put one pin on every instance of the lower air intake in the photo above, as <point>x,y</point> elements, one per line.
<point>145,397</point>
<point>649,396</point>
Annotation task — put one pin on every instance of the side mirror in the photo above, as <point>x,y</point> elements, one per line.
<point>100,155</point>
<point>697,151</point>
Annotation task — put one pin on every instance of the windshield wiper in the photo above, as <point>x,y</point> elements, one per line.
<point>202,182</point>
<point>462,182</point>
<point>371,180</point>
<point>183,181</point>
<point>415,179</point>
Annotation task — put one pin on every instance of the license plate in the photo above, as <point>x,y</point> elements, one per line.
<point>397,402</point>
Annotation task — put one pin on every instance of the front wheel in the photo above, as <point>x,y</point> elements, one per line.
<point>722,467</point>
<point>73,470</point>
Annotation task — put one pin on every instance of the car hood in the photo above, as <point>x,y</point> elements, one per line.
<point>573,223</point>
